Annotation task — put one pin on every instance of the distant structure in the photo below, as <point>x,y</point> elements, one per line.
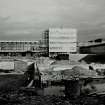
<point>60,41</point>
<point>96,46</point>
<point>21,48</point>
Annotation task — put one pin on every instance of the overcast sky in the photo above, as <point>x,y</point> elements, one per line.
<point>27,19</point>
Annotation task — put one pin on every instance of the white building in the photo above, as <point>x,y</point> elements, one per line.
<point>62,40</point>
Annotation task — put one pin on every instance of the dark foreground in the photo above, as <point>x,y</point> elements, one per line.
<point>10,94</point>
<point>23,98</point>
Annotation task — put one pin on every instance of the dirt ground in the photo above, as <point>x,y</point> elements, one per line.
<point>10,94</point>
<point>20,98</point>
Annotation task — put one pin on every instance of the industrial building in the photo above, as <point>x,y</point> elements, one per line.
<point>93,49</point>
<point>60,41</point>
<point>21,48</point>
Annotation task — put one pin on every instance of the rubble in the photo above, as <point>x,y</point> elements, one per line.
<point>28,97</point>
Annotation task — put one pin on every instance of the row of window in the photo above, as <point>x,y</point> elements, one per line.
<point>16,43</point>
<point>55,48</point>
<point>62,37</point>
<point>62,42</point>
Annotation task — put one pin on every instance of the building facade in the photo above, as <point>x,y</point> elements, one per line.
<point>21,48</point>
<point>60,41</point>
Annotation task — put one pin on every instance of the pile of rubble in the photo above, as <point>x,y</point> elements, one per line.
<point>79,72</point>
<point>75,72</point>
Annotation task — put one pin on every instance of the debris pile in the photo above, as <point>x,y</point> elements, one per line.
<point>78,72</point>
<point>75,72</point>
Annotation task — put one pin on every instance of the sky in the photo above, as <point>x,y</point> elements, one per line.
<point>27,19</point>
